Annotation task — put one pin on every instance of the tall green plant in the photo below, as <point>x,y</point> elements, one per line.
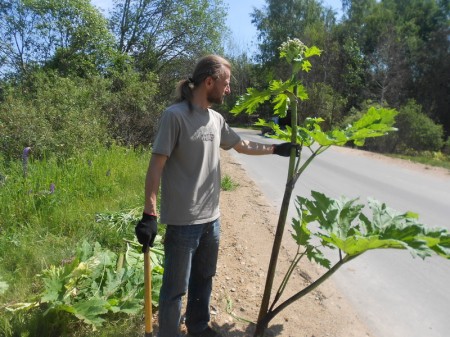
<point>96,281</point>
<point>335,222</point>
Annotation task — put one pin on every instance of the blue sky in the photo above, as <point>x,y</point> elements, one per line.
<point>238,20</point>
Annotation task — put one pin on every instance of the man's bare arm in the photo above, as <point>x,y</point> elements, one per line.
<point>152,182</point>
<point>253,148</point>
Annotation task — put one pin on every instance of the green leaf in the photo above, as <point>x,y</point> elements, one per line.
<point>131,307</point>
<point>84,251</point>
<point>440,243</point>
<point>54,285</point>
<point>312,51</point>
<point>375,123</point>
<point>302,236</point>
<point>89,311</point>
<point>281,105</point>
<point>301,92</point>
<point>343,225</point>
<point>306,65</point>
<point>114,281</point>
<point>317,256</point>
<point>251,101</point>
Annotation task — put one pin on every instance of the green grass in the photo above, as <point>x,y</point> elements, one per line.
<point>227,184</point>
<point>436,159</point>
<point>39,228</point>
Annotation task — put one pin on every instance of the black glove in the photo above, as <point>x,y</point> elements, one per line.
<point>284,149</point>
<point>146,230</point>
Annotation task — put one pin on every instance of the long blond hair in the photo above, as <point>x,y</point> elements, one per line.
<point>210,65</point>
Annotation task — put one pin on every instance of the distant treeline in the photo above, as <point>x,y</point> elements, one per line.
<point>72,76</point>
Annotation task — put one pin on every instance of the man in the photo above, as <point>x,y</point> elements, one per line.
<point>186,159</point>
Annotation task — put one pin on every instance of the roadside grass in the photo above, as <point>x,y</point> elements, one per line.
<point>51,210</point>
<point>436,159</point>
<point>227,183</point>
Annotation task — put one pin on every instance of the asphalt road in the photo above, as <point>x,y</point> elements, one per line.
<point>395,294</point>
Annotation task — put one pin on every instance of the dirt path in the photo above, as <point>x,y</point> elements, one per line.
<point>248,224</point>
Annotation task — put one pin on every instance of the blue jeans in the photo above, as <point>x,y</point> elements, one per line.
<point>190,263</point>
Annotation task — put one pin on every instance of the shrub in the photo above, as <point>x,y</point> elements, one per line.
<point>417,131</point>
<point>55,116</point>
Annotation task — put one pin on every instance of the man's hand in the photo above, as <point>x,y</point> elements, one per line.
<point>284,149</point>
<point>146,230</point>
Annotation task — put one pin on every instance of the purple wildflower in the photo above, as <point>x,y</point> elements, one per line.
<point>26,153</point>
<point>52,188</point>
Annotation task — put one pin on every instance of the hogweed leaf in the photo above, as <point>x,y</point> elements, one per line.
<point>113,283</point>
<point>306,66</point>
<point>302,94</point>
<point>312,51</point>
<point>375,123</point>
<point>89,311</point>
<point>302,236</point>
<point>251,101</point>
<point>301,232</point>
<point>54,285</point>
<point>277,87</point>
<point>343,225</point>
<point>89,285</point>
<point>281,102</point>
<point>439,242</point>
<point>374,117</point>
<point>131,307</point>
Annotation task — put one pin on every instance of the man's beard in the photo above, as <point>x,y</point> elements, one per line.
<point>214,97</point>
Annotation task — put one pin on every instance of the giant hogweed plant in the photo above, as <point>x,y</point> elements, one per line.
<point>342,223</point>
<point>96,282</point>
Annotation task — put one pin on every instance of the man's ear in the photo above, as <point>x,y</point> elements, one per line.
<point>209,82</point>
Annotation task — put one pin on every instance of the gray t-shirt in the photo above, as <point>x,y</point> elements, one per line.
<point>190,183</point>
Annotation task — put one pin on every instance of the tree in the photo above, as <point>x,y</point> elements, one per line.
<point>17,37</point>
<point>62,34</point>
<point>282,19</point>
<point>156,32</point>
<point>388,72</point>
<point>424,24</point>
<point>417,131</point>
<point>406,46</point>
